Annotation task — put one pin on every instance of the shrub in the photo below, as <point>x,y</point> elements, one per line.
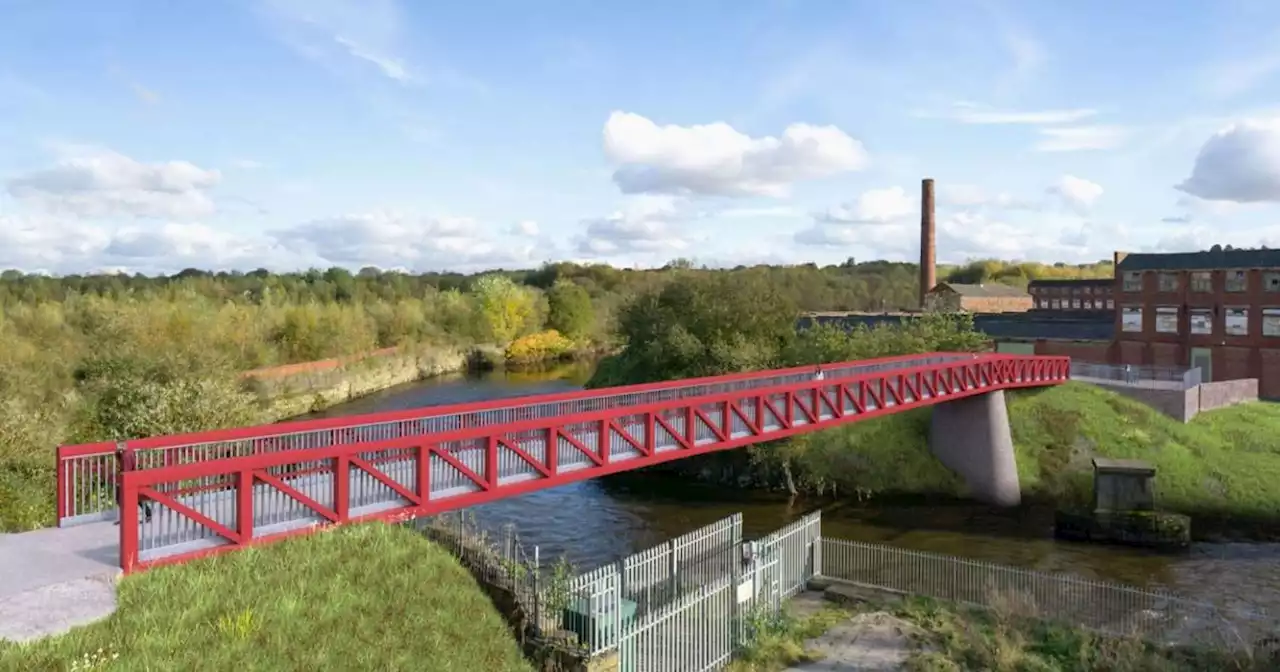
<point>542,346</point>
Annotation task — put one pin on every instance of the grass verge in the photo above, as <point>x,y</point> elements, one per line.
<point>361,597</point>
<point>944,637</point>
<point>1221,464</point>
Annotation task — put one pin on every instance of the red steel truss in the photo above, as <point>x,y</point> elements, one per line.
<point>216,491</point>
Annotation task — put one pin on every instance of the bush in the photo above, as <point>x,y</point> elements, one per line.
<point>542,346</point>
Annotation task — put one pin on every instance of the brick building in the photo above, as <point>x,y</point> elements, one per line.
<point>1085,295</point>
<point>1218,310</point>
<point>950,297</point>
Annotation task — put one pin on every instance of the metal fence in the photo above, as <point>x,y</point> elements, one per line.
<point>1109,608</point>
<point>683,606</point>
<point>1154,377</point>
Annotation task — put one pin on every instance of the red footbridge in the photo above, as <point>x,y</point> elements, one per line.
<point>186,496</point>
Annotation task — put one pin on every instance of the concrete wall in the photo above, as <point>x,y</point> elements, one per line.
<point>1227,393</point>
<point>971,437</point>
<point>1183,405</point>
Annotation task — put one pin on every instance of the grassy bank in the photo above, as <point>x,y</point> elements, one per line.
<point>367,597</point>
<point>929,636</point>
<point>1219,465</point>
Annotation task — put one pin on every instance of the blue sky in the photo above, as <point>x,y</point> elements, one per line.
<point>153,136</point>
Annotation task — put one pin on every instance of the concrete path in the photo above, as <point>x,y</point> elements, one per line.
<point>869,642</point>
<point>55,579</point>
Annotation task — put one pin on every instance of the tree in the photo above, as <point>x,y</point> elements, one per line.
<point>701,324</point>
<point>506,308</point>
<point>569,309</point>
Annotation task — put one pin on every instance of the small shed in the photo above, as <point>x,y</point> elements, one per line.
<point>1123,485</point>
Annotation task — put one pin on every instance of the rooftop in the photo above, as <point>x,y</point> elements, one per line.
<point>983,290</point>
<point>1072,282</point>
<point>1216,258</point>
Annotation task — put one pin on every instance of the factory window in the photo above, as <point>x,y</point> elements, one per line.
<point>1167,319</point>
<point>1271,281</point>
<point>1202,281</point>
<point>1168,282</point>
<point>1201,321</point>
<point>1271,322</point>
<point>1238,321</point>
<point>1133,281</point>
<point>1236,281</point>
<point>1131,319</point>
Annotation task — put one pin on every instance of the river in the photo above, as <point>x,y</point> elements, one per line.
<point>595,522</point>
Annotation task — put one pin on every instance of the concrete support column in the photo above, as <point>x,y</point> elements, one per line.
<point>971,437</point>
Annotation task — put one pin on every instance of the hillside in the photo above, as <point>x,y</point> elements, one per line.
<point>367,597</point>
<point>1224,463</point>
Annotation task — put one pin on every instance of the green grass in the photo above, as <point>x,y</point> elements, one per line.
<point>951,638</point>
<point>1223,463</point>
<point>993,640</point>
<point>365,597</point>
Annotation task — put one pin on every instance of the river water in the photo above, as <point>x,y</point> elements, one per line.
<point>595,522</point>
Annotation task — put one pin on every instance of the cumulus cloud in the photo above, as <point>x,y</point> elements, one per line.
<point>716,159</point>
<point>875,206</point>
<point>528,228</point>
<point>875,213</point>
<point>102,183</point>
<point>645,225</point>
<point>385,239</point>
<point>1076,192</point>
<point>1240,164</point>
<point>972,196</point>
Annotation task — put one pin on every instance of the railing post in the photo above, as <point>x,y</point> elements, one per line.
<point>127,496</point>
<point>244,505</point>
<point>60,472</point>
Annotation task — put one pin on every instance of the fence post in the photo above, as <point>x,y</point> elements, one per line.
<point>537,589</point>
<point>673,550</point>
<point>817,543</point>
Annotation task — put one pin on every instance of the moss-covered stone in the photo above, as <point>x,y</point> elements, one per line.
<point>1149,529</point>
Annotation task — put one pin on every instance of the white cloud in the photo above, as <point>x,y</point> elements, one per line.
<point>390,238</point>
<point>973,113</point>
<point>1076,192</point>
<point>368,31</point>
<point>528,228</point>
<point>646,225</point>
<point>1080,138</point>
<point>875,206</point>
<point>385,239</point>
<point>1240,163</point>
<point>716,159</point>
<point>101,183</point>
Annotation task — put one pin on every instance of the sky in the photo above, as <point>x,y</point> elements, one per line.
<point>149,136</point>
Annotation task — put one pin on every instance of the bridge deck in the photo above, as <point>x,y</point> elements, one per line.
<point>56,579</point>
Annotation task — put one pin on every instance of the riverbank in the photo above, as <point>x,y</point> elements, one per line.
<point>1218,468</point>
<point>881,631</point>
<point>270,394</point>
<point>373,596</point>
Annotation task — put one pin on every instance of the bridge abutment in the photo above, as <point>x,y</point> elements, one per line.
<point>971,436</point>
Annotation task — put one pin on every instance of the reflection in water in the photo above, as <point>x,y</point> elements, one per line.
<point>595,522</point>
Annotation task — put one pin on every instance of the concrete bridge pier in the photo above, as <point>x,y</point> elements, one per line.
<point>971,437</point>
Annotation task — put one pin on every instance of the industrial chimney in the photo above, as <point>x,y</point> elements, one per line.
<point>928,242</point>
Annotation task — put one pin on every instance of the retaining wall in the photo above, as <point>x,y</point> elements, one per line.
<point>1183,405</point>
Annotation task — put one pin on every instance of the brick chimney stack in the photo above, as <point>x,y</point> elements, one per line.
<point>928,242</point>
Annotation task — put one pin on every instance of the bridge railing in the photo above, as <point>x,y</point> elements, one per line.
<point>1156,377</point>
<point>88,473</point>
<point>224,503</point>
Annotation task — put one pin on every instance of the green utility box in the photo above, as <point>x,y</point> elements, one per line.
<point>593,620</point>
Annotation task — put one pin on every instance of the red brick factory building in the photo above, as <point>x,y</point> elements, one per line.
<point>1218,310</point>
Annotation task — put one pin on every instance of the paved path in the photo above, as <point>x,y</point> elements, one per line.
<point>52,580</point>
